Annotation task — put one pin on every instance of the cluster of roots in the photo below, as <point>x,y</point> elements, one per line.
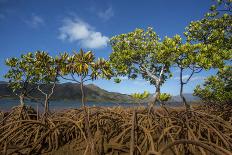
<point>161,131</point>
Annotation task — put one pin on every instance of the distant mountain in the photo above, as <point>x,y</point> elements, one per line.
<point>71,91</point>
<point>176,100</point>
<point>3,82</point>
<point>4,90</point>
<point>189,98</point>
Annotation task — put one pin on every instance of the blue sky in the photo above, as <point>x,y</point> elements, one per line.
<point>60,25</point>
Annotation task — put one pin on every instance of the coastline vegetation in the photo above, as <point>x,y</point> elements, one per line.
<point>203,129</point>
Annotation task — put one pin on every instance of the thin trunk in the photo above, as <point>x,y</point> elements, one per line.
<point>82,94</point>
<point>158,84</point>
<point>46,106</point>
<point>21,98</point>
<point>90,138</point>
<point>187,107</point>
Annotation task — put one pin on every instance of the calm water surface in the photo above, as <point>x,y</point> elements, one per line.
<point>7,104</point>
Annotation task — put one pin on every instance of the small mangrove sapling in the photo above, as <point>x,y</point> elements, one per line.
<point>46,71</point>
<point>21,75</point>
<point>164,97</point>
<point>82,67</point>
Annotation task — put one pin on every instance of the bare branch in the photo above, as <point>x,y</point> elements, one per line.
<point>54,84</point>
<point>161,72</point>
<point>70,79</point>
<point>87,79</point>
<point>189,77</point>
<point>38,87</point>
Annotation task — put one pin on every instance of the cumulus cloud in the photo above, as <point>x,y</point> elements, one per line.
<point>76,30</point>
<point>35,21</point>
<point>107,14</point>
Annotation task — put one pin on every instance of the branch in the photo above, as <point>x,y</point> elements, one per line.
<point>189,77</point>
<point>72,79</point>
<point>161,72</point>
<point>38,87</point>
<point>224,10</point>
<point>152,76</point>
<point>30,90</point>
<point>200,69</point>
<point>54,84</point>
<point>87,79</point>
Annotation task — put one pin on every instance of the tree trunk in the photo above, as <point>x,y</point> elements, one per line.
<point>21,98</point>
<point>90,138</point>
<point>82,94</point>
<point>187,106</point>
<point>46,107</point>
<point>155,97</point>
<point>157,93</point>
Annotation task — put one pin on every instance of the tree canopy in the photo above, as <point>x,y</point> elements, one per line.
<point>215,28</point>
<point>140,53</point>
<point>21,75</point>
<point>217,89</point>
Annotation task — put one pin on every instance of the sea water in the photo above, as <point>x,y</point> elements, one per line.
<point>7,104</point>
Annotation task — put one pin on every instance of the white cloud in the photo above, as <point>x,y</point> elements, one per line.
<point>78,31</point>
<point>185,77</point>
<point>107,14</point>
<point>139,82</point>
<point>35,21</point>
<point>197,78</point>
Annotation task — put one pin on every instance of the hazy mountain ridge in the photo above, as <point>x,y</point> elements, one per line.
<point>176,100</point>
<point>71,91</point>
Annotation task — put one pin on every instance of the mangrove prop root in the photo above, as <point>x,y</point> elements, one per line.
<point>116,130</point>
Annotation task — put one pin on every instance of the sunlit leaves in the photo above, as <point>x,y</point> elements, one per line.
<point>117,80</point>
<point>217,89</point>
<point>21,73</point>
<point>46,70</point>
<point>143,95</point>
<point>215,28</point>
<point>163,97</point>
<point>139,52</point>
<point>84,65</point>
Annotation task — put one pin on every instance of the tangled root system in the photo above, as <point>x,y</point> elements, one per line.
<point>163,131</point>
